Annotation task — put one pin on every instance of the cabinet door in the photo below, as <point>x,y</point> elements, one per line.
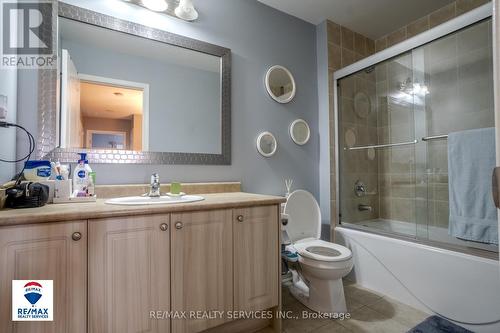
<point>256,258</point>
<point>129,274</point>
<point>202,267</point>
<point>46,252</point>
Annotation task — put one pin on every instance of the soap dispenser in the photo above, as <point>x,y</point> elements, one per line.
<point>81,176</point>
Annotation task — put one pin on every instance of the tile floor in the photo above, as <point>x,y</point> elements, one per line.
<point>370,313</point>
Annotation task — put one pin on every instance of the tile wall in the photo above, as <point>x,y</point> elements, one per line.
<point>422,24</point>
<point>344,48</point>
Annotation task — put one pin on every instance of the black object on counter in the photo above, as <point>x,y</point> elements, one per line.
<point>27,195</point>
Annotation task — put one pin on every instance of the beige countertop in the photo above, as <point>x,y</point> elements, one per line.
<point>99,209</point>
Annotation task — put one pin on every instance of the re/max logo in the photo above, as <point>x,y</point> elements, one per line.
<point>32,311</point>
<point>32,314</point>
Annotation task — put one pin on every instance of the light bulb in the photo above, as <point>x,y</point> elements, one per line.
<point>155,5</point>
<point>186,10</point>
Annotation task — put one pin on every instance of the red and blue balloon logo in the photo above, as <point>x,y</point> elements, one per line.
<point>33,292</point>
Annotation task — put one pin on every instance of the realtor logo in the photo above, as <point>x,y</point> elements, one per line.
<point>32,300</point>
<point>27,34</point>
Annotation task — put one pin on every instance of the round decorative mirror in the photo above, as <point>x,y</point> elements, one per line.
<point>280,84</point>
<point>362,104</point>
<point>267,144</point>
<point>300,132</point>
<point>350,137</point>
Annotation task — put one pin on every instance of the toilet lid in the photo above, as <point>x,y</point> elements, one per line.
<point>304,216</point>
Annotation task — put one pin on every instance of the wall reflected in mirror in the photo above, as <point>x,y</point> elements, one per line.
<point>119,91</point>
<point>111,116</point>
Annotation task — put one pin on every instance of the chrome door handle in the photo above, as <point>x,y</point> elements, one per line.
<point>76,236</point>
<point>163,227</point>
<point>495,188</point>
<point>178,225</point>
<point>240,218</point>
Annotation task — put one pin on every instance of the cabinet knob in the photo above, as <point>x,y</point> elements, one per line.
<point>164,227</point>
<point>178,225</point>
<point>240,218</point>
<point>76,236</point>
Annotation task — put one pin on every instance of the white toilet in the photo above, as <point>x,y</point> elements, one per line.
<point>318,282</point>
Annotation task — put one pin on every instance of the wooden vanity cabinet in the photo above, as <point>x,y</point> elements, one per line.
<point>142,268</point>
<point>256,258</point>
<point>46,251</point>
<point>202,267</point>
<point>129,274</point>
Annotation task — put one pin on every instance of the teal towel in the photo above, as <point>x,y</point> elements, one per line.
<point>471,160</point>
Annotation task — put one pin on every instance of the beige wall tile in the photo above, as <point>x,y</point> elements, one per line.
<point>464,6</point>
<point>347,57</point>
<point>442,213</point>
<point>380,44</point>
<point>116,191</point>
<point>347,39</point>
<point>370,46</point>
<point>402,186</point>
<point>403,210</point>
<point>385,208</point>
<point>359,44</point>
<point>348,86</point>
<point>417,27</point>
<point>334,56</point>
<point>396,37</point>
<point>442,15</point>
<point>334,34</point>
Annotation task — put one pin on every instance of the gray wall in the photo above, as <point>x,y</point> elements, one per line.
<point>324,122</point>
<point>182,101</point>
<point>259,37</point>
<point>27,109</point>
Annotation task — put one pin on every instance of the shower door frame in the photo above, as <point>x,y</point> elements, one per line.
<point>474,16</point>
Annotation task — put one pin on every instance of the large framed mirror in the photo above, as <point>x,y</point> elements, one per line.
<point>128,93</point>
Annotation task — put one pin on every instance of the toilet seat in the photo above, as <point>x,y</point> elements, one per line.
<point>320,250</point>
<point>304,230</point>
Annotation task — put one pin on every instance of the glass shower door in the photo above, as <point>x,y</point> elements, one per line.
<point>377,154</point>
<point>454,93</point>
<point>394,121</point>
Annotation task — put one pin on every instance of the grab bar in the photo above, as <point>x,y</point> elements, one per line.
<point>435,137</point>
<point>383,146</point>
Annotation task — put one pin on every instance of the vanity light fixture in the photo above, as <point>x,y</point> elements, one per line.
<point>155,5</point>
<point>186,10</point>
<point>182,9</point>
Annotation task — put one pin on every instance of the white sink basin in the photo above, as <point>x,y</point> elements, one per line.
<point>132,201</point>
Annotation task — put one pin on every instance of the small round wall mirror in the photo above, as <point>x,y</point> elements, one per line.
<point>300,132</point>
<point>280,84</point>
<point>362,105</point>
<point>350,137</point>
<point>267,144</point>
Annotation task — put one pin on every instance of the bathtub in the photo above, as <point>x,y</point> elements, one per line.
<point>460,287</point>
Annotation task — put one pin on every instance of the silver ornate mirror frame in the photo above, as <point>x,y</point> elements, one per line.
<point>47,145</point>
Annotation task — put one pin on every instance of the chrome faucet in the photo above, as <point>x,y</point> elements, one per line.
<point>365,208</point>
<point>154,187</point>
